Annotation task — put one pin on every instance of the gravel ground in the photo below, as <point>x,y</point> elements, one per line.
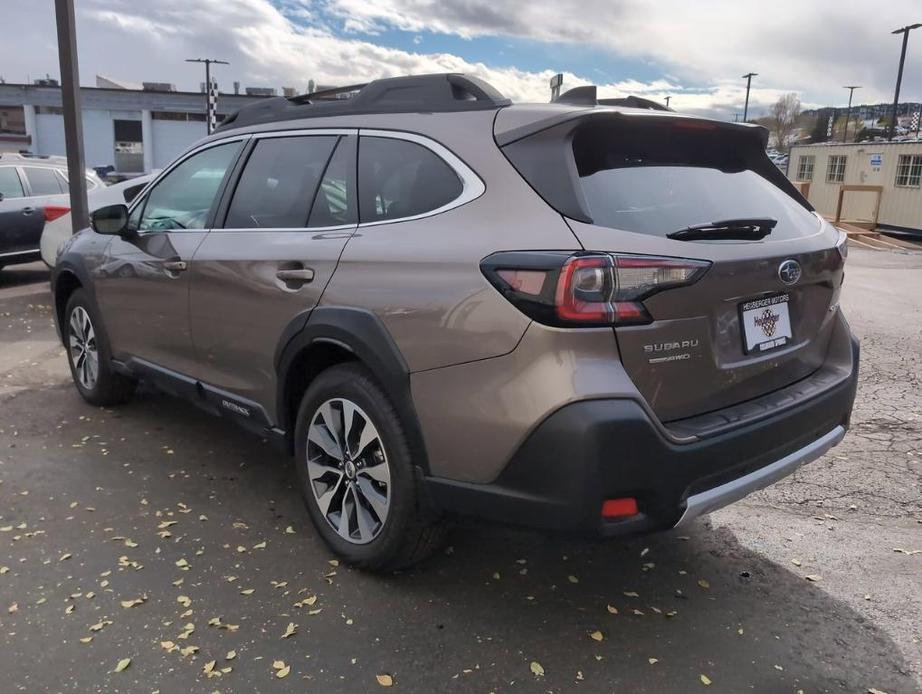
<point>158,534</point>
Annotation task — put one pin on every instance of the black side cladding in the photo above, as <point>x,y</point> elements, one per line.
<point>436,93</point>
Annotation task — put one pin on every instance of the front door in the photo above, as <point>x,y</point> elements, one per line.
<point>143,285</point>
<point>285,225</point>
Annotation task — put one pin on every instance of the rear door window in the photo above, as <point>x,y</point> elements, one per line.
<point>398,178</point>
<point>658,181</point>
<point>279,182</point>
<point>43,181</point>
<point>10,185</point>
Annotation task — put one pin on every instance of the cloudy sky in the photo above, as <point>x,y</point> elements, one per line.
<point>694,50</point>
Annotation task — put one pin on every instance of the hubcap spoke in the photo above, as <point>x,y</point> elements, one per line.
<point>325,499</point>
<point>319,435</point>
<point>365,523</point>
<point>352,496</point>
<point>378,472</point>
<point>375,499</point>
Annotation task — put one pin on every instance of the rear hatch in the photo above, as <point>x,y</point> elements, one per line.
<point>760,317</point>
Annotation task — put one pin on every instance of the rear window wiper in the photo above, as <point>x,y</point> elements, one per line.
<point>744,228</point>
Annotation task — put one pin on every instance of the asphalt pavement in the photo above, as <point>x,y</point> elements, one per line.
<point>152,547</point>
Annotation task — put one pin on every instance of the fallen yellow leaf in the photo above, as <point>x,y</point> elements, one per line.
<point>705,680</point>
<point>290,630</point>
<point>122,664</point>
<point>385,680</point>
<point>596,636</point>
<point>536,668</point>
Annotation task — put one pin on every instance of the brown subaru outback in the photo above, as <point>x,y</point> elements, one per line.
<point>592,316</point>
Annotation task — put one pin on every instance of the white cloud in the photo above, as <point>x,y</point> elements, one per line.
<point>794,47</point>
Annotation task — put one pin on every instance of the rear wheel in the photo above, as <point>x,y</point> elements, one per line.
<point>89,356</point>
<point>356,473</point>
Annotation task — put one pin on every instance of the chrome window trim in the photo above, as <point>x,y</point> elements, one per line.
<point>300,230</point>
<point>305,131</point>
<point>472,187</point>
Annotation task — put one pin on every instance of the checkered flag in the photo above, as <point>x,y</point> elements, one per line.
<point>916,117</point>
<point>832,120</point>
<point>212,106</point>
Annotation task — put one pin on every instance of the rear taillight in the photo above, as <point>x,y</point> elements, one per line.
<point>52,212</point>
<point>586,289</point>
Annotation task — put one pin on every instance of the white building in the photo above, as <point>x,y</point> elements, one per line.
<point>134,130</point>
<point>867,184</point>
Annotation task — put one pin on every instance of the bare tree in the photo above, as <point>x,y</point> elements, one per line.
<point>783,118</point>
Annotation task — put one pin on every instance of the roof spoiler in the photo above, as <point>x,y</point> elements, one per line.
<point>419,93</point>
<point>588,96</point>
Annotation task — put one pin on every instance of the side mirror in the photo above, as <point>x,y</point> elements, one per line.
<point>111,219</point>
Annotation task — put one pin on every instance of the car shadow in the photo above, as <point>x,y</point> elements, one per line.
<point>20,275</point>
<point>499,609</point>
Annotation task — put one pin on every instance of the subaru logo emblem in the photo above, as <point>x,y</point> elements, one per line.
<point>789,271</point>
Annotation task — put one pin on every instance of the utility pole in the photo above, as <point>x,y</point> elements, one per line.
<point>899,75</point>
<point>556,82</point>
<point>667,101</point>
<point>73,116</point>
<point>210,98</point>
<point>851,90</point>
<point>748,77</point>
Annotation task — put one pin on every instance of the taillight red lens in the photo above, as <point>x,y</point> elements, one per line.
<point>52,212</point>
<point>586,290</point>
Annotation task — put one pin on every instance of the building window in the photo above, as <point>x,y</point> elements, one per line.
<point>835,168</point>
<point>805,167</point>
<point>909,171</point>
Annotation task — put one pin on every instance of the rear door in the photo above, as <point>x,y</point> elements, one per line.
<point>760,318</point>
<point>21,217</point>
<point>285,223</point>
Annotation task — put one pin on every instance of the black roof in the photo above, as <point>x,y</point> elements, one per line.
<point>420,93</point>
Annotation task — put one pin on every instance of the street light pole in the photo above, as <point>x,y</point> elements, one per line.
<point>748,77</point>
<point>209,106</point>
<point>899,75</point>
<point>851,90</point>
<point>73,116</point>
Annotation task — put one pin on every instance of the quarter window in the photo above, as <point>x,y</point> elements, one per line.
<point>43,181</point>
<point>835,168</point>
<point>909,170</point>
<point>805,167</point>
<point>183,198</point>
<point>10,185</point>
<point>398,178</point>
<point>279,182</point>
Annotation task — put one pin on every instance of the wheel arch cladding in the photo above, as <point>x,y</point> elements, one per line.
<point>332,335</point>
<point>65,284</point>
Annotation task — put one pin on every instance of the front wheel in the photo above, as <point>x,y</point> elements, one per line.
<point>356,473</point>
<point>89,356</point>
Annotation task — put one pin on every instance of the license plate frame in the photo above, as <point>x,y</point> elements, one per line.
<point>765,323</point>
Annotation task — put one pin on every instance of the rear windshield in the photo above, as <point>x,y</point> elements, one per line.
<point>659,179</point>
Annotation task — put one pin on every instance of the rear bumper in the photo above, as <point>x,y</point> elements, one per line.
<point>590,451</point>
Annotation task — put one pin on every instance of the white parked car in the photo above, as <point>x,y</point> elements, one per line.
<point>57,231</point>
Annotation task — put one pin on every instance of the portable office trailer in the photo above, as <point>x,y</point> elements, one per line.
<point>868,184</point>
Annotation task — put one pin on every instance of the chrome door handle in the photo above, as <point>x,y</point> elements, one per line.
<point>28,210</point>
<point>175,265</point>
<point>299,275</point>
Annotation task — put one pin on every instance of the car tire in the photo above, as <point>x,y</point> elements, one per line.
<point>361,489</point>
<point>89,355</point>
